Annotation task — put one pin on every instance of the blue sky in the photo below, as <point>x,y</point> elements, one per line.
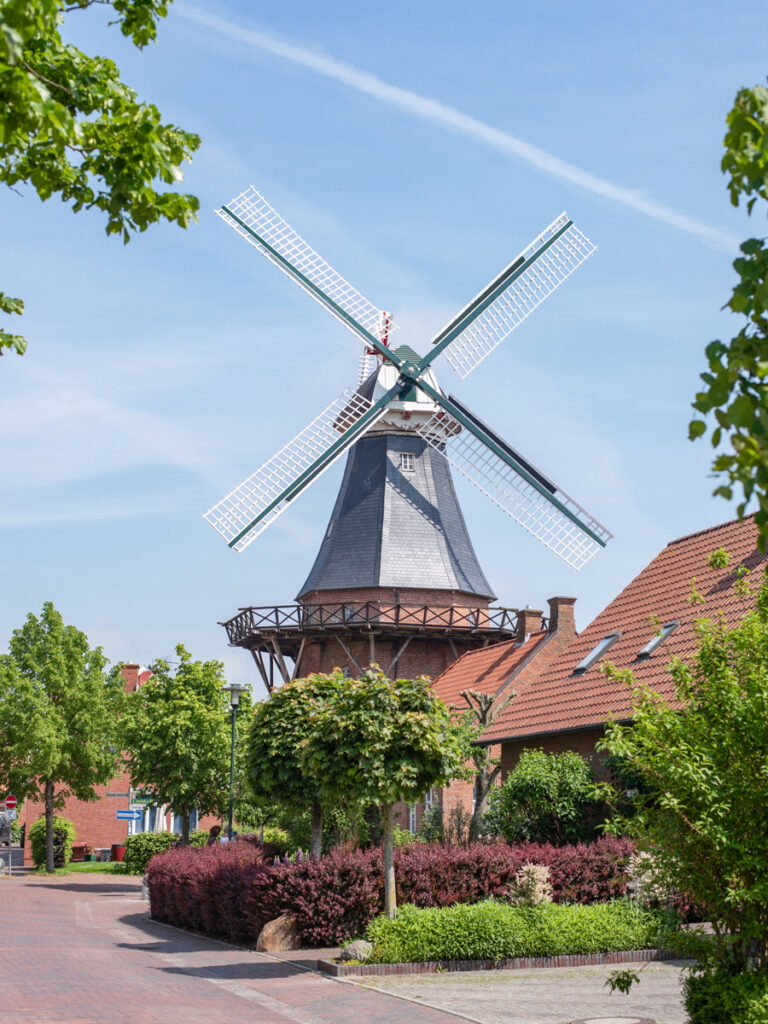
<point>418,147</point>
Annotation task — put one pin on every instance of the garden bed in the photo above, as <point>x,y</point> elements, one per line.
<point>518,963</point>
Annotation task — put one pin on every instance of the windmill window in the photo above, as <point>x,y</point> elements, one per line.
<point>597,652</point>
<point>658,639</point>
<point>406,462</point>
<point>329,531</point>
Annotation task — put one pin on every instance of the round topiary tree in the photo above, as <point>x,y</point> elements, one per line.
<point>63,836</point>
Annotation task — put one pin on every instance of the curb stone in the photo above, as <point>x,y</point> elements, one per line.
<point>518,963</point>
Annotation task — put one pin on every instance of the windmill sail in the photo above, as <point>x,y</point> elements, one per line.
<point>258,223</point>
<point>512,296</point>
<point>514,484</point>
<point>259,500</point>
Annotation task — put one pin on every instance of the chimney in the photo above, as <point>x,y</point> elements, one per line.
<point>131,677</point>
<point>528,621</point>
<point>561,618</point>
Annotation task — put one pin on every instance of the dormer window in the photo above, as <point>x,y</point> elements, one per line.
<point>406,462</point>
<point>658,639</point>
<point>597,652</point>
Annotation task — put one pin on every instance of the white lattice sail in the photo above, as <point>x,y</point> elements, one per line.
<point>258,501</point>
<point>518,299</point>
<point>258,223</point>
<point>514,494</point>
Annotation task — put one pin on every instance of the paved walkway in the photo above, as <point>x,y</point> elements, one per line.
<point>82,950</point>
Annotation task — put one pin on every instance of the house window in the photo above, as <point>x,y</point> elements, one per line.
<point>412,818</point>
<point>429,800</point>
<point>659,638</point>
<point>597,652</point>
<point>406,462</point>
<point>192,821</point>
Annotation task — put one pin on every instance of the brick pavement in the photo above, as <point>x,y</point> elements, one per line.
<point>82,950</point>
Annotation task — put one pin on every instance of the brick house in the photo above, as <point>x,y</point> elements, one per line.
<point>497,669</point>
<point>95,821</point>
<point>563,704</point>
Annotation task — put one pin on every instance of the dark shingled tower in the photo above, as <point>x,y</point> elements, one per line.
<point>396,524</point>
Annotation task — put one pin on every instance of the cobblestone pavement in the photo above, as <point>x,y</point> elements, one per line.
<point>82,950</point>
<point>552,996</point>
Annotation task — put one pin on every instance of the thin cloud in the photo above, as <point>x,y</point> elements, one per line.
<point>448,117</point>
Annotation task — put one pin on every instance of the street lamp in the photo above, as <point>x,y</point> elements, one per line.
<point>233,691</point>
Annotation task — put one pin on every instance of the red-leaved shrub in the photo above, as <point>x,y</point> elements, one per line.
<point>228,890</point>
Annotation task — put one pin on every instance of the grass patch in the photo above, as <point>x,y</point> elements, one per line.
<point>87,868</point>
<point>496,931</point>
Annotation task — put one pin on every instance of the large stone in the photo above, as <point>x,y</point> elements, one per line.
<point>279,934</point>
<point>357,950</point>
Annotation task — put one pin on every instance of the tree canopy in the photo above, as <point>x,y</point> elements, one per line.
<point>734,390</point>
<point>279,730</point>
<point>380,740</point>
<point>176,735</point>
<point>703,811</point>
<point>69,126</point>
<point>60,715</point>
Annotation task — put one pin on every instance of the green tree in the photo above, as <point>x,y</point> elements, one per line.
<point>703,812</point>
<point>546,798</point>
<point>70,127</point>
<point>380,740</point>
<point>280,727</point>
<point>734,389</point>
<point>176,735</point>
<point>60,716</point>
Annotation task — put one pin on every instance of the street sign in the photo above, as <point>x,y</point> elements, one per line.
<point>129,815</point>
<point>11,814</point>
<point>10,802</point>
<point>144,800</point>
<point>137,807</point>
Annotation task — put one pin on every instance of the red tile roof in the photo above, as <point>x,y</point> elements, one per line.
<point>486,669</point>
<point>560,699</point>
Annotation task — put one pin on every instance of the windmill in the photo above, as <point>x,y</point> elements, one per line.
<point>402,390</point>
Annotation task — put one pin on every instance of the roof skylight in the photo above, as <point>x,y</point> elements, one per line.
<point>658,639</point>
<point>597,652</point>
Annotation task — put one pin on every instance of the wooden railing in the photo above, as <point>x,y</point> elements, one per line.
<point>366,616</point>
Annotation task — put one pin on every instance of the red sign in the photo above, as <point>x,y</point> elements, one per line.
<point>10,802</point>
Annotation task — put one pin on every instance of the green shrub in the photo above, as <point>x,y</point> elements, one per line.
<point>15,832</point>
<point>716,997</point>
<point>402,837</point>
<point>277,840</point>
<point>140,849</point>
<point>495,931</point>
<point>546,798</point>
<point>63,835</point>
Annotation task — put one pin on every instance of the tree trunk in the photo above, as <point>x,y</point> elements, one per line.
<point>49,865</point>
<point>484,780</point>
<point>316,843</point>
<point>390,892</point>
<point>185,828</point>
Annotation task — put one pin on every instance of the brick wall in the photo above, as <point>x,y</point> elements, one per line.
<point>581,741</point>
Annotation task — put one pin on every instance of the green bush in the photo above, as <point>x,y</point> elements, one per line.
<point>15,832</point>
<point>140,849</point>
<point>716,997</point>
<point>546,798</point>
<point>63,836</point>
<point>402,837</point>
<point>495,931</point>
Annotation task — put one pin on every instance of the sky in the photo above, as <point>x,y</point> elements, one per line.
<point>418,147</point>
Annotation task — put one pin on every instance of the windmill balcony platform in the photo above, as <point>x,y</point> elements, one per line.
<point>364,633</point>
<point>298,620</point>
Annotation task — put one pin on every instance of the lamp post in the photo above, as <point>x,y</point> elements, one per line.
<point>233,690</point>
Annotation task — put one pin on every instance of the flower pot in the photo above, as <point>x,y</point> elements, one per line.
<point>118,852</point>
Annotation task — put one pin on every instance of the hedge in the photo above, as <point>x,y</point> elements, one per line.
<point>338,896</point>
<point>495,931</point>
<point>140,849</point>
<point>63,836</point>
<point>716,997</point>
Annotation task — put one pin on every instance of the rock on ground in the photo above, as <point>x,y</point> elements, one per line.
<point>279,934</point>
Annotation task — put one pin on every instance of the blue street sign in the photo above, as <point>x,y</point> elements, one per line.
<point>129,815</point>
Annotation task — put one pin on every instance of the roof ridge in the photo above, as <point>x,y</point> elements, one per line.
<point>709,529</point>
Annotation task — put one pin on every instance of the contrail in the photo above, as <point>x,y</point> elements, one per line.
<point>439,113</point>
